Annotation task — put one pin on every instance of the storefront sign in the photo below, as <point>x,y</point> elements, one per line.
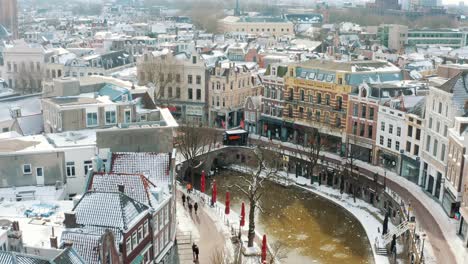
<point>194,110</point>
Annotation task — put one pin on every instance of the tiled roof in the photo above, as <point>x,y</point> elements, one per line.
<point>69,256</point>
<point>7,257</point>
<point>85,244</point>
<point>155,166</point>
<point>110,209</point>
<point>136,185</point>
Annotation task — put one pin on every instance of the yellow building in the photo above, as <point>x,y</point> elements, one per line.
<point>316,94</point>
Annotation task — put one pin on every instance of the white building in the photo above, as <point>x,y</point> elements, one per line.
<point>79,149</point>
<point>444,102</point>
<point>24,66</point>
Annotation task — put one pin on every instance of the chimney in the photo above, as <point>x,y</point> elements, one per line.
<point>53,240</point>
<point>121,188</point>
<point>15,226</point>
<point>70,220</point>
<point>67,244</point>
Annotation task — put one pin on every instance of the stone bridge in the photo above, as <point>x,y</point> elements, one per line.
<point>219,157</point>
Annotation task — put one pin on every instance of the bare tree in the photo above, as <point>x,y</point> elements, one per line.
<point>163,72</point>
<point>310,151</point>
<point>351,171</point>
<point>29,82</point>
<point>219,256</point>
<point>278,251</point>
<point>193,143</point>
<point>265,166</point>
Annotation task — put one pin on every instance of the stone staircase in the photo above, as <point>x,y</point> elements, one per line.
<point>399,230</point>
<point>184,247</point>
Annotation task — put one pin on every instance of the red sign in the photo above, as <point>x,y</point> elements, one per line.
<point>234,137</point>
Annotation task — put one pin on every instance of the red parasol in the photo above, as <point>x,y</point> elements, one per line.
<point>242,220</point>
<point>228,203</point>
<point>214,192</point>
<point>202,182</point>
<point>264,249</point>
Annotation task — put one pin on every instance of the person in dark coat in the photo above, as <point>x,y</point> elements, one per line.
<point>183,199</point>
<point>195,206</point>
<point>193,251</point>
<point>190,207</point>
<point>196,251</point>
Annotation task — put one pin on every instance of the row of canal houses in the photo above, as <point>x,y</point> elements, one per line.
<point>414,128</point>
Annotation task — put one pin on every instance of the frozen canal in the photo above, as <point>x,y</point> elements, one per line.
<point>314,230</point>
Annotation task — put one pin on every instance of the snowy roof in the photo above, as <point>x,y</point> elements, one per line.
<point>155,166</point>
<point>31,125</point>
<point>73,138</point>
<point>9,134</point>
<point>9,257</point>
<point>29,105</point>
<point>108,209</point>
<point>69,256</point>
<point>137,186</point>
<point>84,244</point>
<point>26,144</point>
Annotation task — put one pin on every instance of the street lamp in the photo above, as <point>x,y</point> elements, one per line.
<point>385,180</point>
<point>422,247</point>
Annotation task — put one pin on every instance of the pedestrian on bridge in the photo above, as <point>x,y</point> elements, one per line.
<point>195,206</point>
<point>195,251</point>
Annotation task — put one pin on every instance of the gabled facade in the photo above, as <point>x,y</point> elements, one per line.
<point>180,82</point>
<point>229,86</point>
<point>443,104</point>
<point>273,102</point>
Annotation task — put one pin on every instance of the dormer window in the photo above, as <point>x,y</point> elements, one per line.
<point>363,92</point>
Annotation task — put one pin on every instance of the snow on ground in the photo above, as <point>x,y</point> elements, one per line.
<point>185,223</point>
<point>37,230</point>
<point>43,193</point>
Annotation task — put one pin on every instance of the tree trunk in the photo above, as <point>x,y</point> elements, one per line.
<point>311,172</point>
<point>251,234</point>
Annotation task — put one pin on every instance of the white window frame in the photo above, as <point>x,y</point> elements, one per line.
<point>145,228</point>
<point>87,166</point>
<point>30,169</point>
<point>71,165</point>
<point>128,243</point>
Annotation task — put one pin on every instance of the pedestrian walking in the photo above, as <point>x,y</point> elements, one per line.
<point>195,206</point>
<point>193,251</point>
<point>183,199</point>
<point>188,199</point>
<point>197,251</point>
<point>190,207</point>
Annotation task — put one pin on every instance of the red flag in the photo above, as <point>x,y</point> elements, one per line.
<point>202,182</point>
<point>228,203</point>
<point>264,249</point>
<point>214,192</point>
<point>242,220</point>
